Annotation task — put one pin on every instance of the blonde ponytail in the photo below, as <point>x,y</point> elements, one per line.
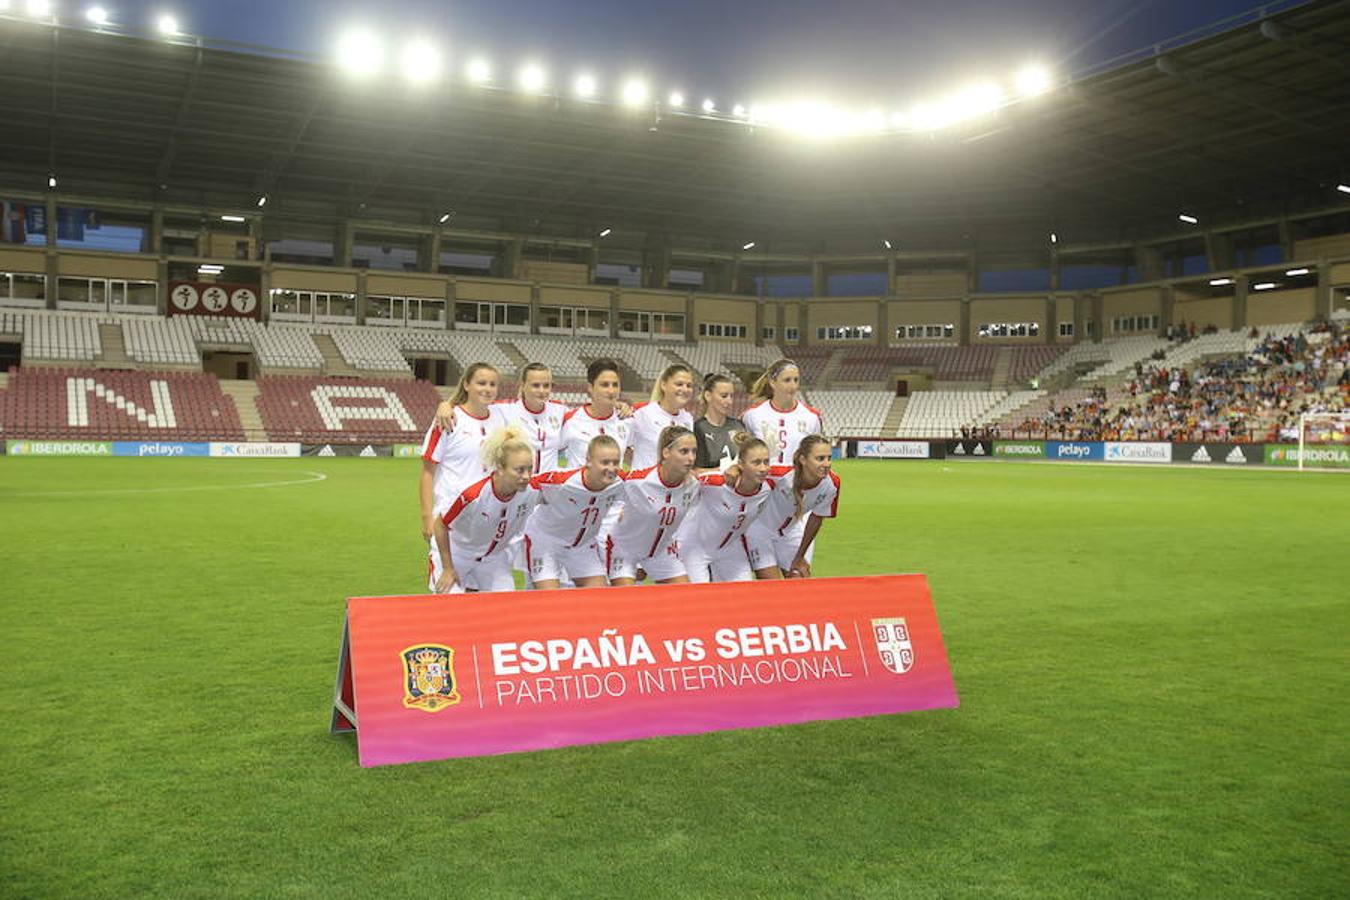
<point>763,386</point>
<point>501,443</point>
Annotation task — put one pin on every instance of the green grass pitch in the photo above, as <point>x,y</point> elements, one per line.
<point>1152,667</point>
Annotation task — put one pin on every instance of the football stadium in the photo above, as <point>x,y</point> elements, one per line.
<point>322,372</point>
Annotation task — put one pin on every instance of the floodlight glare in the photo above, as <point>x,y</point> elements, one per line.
<point>39,8</point>
<point>585,86</point>
<point>1032,80</point>
<point>360,53</point>
<point>738,111</point>
<point>262,201</point>
<point>1054,238</point>
<point>96,15</point>
<point>1220,282</point>
<point>709,106</point>
<point>676,99</point>
<point>750,245</point>
<point>421,63</point>
<point>51,181</point>
<point>444,218</point>
<point>1296,272</point>
<point>1263,286</point>
<point>604,232</point>
<point>479,72</point>
<point>167,25</point>
<point>532,78</point>
<point>1343,188</point>
<point>231,218</point>
<point>634,92</point>
<point>1189,220</point>
<point>888,244</point>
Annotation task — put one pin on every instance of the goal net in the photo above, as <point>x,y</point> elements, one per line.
<point>1323,433</point>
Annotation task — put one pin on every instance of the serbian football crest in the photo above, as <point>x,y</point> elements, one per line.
<point>897,653</point>
<point>429,677</point>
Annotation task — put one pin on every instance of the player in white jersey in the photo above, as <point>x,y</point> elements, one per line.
<point>712,538</point>
<point>655,502</point>
<point>670,393</point>
<point>452,457</point>
<point>473,536</point>
<point>538,416</point>
<point>600,416</point>
<point>778,417</point>
<point>560,538</point>
<point>782,540</point>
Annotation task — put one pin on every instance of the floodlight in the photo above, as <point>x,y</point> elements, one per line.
<point>738,111</point>
<point>210,269</point>
<point>96,15</point>
<point>634,92</point>
<point>874,120</point>
<point>709,106</point>
<point>1263,286</point>
<point>232,218</point>
<point>1220,282</point>
<point>676,99</point>
<point>479,72</point>
<point>1296,272</point>
<point>604,232</point>
<point>444,218</point>
<point>262,201</point>
<point>360,53</point>
<point>750,245</point>
<point>585,86</point>
<point>532,78</point>
<point>167,25</point>
<point>38,8</point>
<point>1343,188</point>
<point>1032,80</point>
<point>888,244</point>
<point>421,63</point>
<point>51,181</point>
<point>1189,220</point>
<point>1054,238</point>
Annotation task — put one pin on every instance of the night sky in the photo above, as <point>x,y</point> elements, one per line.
<point>854,53</point>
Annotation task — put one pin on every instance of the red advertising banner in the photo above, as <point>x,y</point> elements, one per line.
<point>198,298</point>
<point>439,676</point>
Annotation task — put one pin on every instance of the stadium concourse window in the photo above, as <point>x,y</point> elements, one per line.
<point>313,306</point>
<point>995,281</point>
<point>77,228</point>
<point>23,289</point>
<point>1009,329</point>
<point>103,294</point>
<point>573,320</point>
<point>318,253</point>
<point>462,263</point>
<point>1066,329</point>
<point>1086,278</point>
<point>623,276</point>
<point>784,285</point>
<point>636,324</point>
<point>792,334</point>
<point>721,329</point>
<point>925,332</point>
<point>844,333</point>
<point>768,333</point>
<point>413,312</point>
<point>1264,255</point>
<point>1134,324</point>
<point>471,316</point>
<point>856,284</point>
<point>685,280</point>
<point>370,256</point>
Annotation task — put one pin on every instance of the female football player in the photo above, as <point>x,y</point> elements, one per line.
<point>777,417</point>
<point>452,457</point>
<point>715,425</point>
<point>712,541</point>
<point>782,540</point>
<point>560,538</point>
<point>670,394</point>
<point>602,415</point>
<point>655,502</point>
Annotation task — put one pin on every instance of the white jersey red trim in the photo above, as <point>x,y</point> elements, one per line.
<point>543,429</point>
<point>649,420</point>
<point>782,430</point>
<point>458,452</point>
<point>723,514</point>
<point>482,524</point>
<point>580,426</point>
<point>652,512</point>
<point>569,512</point>
<point>780,510</point>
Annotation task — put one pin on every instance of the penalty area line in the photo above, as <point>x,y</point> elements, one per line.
<point>314,478</point>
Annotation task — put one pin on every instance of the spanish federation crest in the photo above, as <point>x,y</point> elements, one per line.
<point>429,682</point>
<point>893,643</point>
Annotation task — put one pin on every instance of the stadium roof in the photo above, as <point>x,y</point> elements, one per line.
<point>1249,123</point>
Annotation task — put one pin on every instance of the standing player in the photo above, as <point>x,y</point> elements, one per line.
<point>715,424</point>
<point>537,415</point>
<point>782,541</point>
<point>778,417</point>
<point>473,536</point>
<point>712,540</point>
<point>600,416</point>
<point>451,457</point>
<point>560,538</point>
<point>670,393</point>
<point>655,502</point>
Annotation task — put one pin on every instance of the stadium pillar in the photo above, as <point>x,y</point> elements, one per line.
<point>892,276</point>
<point>450,303</point>
<point>156,232</point>
<point>883,322</point>
<point>614,314</point>
<point>265,290</point>
<point>689,315</point>
<point>1098,318</point>
<point>1167,307</point>
<point>1051,319</point>
<point>1240,286</point>
<point>1218,251</point>
<point>1287,240</point>
<point>780,324</point>
<point>342,245</point>
<point>1148,262</point>
<point>1322,303</point>
<point>820,279</point>
<point>50,211</point>
<point>432,243</point>
<point>592,261</point>
<point>803,323</point>
<point>162,294</point>
<point>360,296</point>
<point>534,307</point>
<point>656,266</point>
<point>963,327</point>
<point>1054,271</point>
<point>510,259</point>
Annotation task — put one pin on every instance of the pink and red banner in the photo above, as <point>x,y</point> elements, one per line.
<point>435,677</point>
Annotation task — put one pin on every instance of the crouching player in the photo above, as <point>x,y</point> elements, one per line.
<point>781,541</point>
<point>473,537</point>
<point>560,538</point>
<point>712,539</point>
<point>655,503</point>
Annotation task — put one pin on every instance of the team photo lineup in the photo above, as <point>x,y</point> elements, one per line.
<point>607,493</point>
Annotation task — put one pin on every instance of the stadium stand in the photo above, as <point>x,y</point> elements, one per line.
<point>941,414</point>
<point>852,413</point>
<point>1027,362</point>
<point>86,404</point>
<point>319,410</point>
<point>154,340</point>
<point>64,336</point>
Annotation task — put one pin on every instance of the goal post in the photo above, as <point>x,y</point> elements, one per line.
<point>1321,428</point>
